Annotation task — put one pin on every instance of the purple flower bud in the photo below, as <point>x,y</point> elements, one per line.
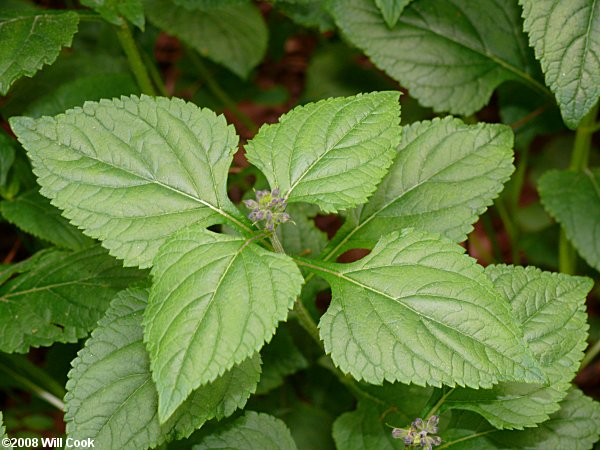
<point>261,194</point>
<point>270,226</point>
<point>251,204</point>
<point>275,192</point>
<point>424,442</point>
<point>418,424</point>
<point>269,215</point>
<point>408,440</point>
<point>260,215</point>
<point>284,217</point>
<point>436,440</point>
<point>397,433</point>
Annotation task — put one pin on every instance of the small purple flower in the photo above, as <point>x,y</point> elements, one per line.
<point>270,207</point>
<point>420,434</point>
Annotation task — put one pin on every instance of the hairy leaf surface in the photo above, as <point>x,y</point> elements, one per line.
<point>253,431</point>
<point>576,426</point>
<point>573,199</point>
<point>132,171</point>
<point>450,55</point>
<point>115,10</point>
<point>233,35</point>
<point>34,214</point>
<point>417,310</point>
<point>445,175</point>
<point>551,310</point>
<point>215,301</point>
<point>331,153</point>
<point>566,38</point>
<point>30,39</point>
<point>59,297</point>
<point>111,396</point>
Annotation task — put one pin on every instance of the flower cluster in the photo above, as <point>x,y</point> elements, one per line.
<point>419,434</point>
<point>268,206</point>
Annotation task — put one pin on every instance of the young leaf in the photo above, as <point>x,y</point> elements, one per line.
<point>391,10</point>
<point>215,301</point>
<point>3,434</point>
<point>576,426</point>
<point>281,357</point>
<point>111,397</point>
<point>114,11</point>
<point>417,310</point>
<point>331,153</point>
<point>253,431</point>
<point>445,175</point>
<point>362,430</point>
<point>30,39</point>
<point>450,55</point>
<point>573,199</point>
<point>59,298</point>
<point>551,310</point>
<point>234,35</point>
<point>566,38</point>
<point>132,171</point>
<point>34,214</point>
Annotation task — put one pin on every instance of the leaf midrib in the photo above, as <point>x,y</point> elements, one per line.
<point>417,313</point>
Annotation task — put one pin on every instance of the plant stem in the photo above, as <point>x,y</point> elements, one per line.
<point>33,387</point>
<point>511,230</point>
<point>435,402</point>
<point>155,75</point>
<point>135,60</point>
<point>491,234</point>
<point>276,244</point>
<point>218,92</point>
<point>590,355</point>
<point>567,257</point>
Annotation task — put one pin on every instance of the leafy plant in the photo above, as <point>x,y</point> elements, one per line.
<point>198,305</point>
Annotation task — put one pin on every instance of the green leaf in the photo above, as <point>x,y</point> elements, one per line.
<point>445,175</point>
<point>331,153</point>
<point>34,214</point>
<point>301,237</point>
<point>566,38</point>
<point>132,171</point>
<point>114,11</point>
<point>576,426</point>
<point>308,13</point>
<point>30,39</point>
<point>234,35</point>
<point>59,297</point>
<point>406,313</point>
<point>391,10</point>
<point>551,310</point>
<point>362,430</point>
<point>215,301</point>
<point>573,199</point>
<point>3,434</point>
<point>7,157</point>
<point>111,385</point>
<point>281,357</point>
<point>450,55</point>
<point>253,431</point>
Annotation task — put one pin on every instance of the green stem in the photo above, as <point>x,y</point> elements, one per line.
<point>590,355</point>
<point>220,93</point>
<point>155,75</point>
<point>519,179</point>
<point>307,322</point>
<point>29,384</point>
<point>437,399</point>
<point>511,230</point>
<point>567,257</point>
<point>276,243</point>
<point>135,60</point>
<point>491,234</point>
